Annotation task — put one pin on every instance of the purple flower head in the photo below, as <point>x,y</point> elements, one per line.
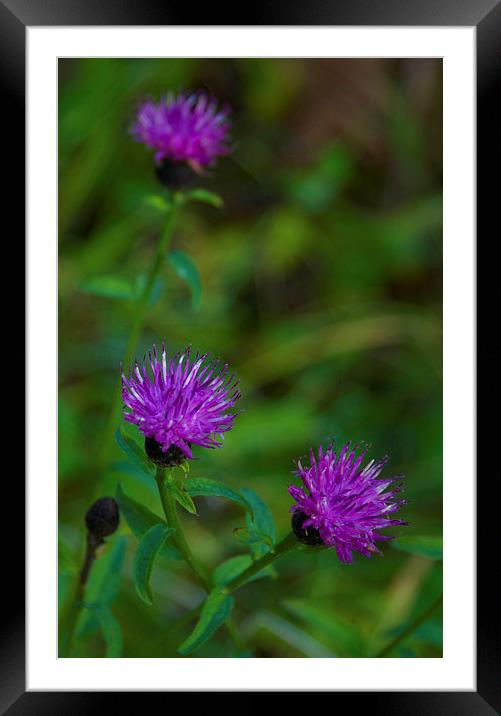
<point>343,504</point>
<point>187,128</point>
<point>181,401</point>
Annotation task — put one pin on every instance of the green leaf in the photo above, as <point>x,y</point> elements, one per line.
<point>235,566</point>
<point>145,556</point>
<point>66,562</point>
<point>185,501</point>
<point>215,612</point>
<point>230,569</point>
<point>134,452</point>
<point>140,519</point>
<point>157,202</point>
<point>206,197</point>
<point>110,628</point>
<point>203,487</point>
<point>186,269</point>
<point>177,485</point>
<point>263,519</point>
<point>109,287</point>
<point>260,524</point>
<point>425,546</point>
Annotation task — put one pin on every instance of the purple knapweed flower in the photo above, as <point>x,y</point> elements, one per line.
<point>184,128</point>
<point>181,401</point>
<point>342,504</point>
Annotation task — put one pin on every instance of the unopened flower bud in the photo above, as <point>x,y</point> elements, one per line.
<point>102,517</point>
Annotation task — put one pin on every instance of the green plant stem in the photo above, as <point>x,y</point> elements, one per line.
<point>169,506</point>
<point>420,619</point>
<point>286,545</point>
<point>137,324</point>
<point>68,627</point>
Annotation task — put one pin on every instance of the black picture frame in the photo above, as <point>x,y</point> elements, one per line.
<point>15,17</point>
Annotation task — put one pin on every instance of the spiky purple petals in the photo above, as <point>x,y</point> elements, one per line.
<point>183,128</point>
<point>180,401</point>
<point>346,502</point>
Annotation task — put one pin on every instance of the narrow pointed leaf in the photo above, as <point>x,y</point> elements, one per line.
<point>134,452</point>
<point>186,502</point>
<point>204,487</point>
<point>261,522</point>
<point>178,487</point>
<point>206,197</point>
<point>231,569</point>
<point>140,519</point>
<point>263,519</point>
<point>235,566</point>
<point>109,287</point>
<point>157,202</point>
<point>215,612</point>
<point>144,559</point>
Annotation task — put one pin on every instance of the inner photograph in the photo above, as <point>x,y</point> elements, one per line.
<point>250,358</point>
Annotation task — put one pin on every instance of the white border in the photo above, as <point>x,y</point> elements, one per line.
<point>456,670</point>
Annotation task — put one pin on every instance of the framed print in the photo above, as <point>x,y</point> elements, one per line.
<point>251,354</point>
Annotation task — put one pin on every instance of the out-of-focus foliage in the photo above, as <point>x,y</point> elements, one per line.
<point>319,281</point>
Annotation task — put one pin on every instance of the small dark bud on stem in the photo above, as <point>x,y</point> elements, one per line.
<point>306,535</point>
<point>102,517</point>
<point>102,520</point>
<point>173,457</point>
<point>175,175</point>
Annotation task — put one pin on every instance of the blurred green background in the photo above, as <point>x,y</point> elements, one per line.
<point>321,286</point>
